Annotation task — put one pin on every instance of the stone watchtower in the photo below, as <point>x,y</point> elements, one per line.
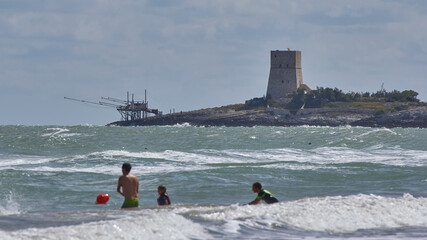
<point>285,73</point>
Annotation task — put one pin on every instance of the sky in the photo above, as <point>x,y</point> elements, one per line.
<point>190,55</point>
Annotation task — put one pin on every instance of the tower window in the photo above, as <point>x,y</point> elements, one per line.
<point>283,81</point>
<point>287,65</point>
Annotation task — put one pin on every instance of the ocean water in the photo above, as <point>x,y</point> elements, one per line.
<point>332,182</point>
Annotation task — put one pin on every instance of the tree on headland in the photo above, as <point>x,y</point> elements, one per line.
<point>405,96</point>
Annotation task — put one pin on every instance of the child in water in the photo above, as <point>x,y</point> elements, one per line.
<point>262,195</point>
<point>163,196</point>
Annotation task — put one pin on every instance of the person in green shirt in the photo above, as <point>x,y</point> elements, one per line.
<point>262,195</point>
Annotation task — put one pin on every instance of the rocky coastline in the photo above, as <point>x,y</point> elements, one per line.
<point>414,117</point>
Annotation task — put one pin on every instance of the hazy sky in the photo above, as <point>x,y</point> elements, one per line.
<point>196,54</point>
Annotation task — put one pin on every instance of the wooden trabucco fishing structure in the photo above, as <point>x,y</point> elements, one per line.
<point>130,110</point>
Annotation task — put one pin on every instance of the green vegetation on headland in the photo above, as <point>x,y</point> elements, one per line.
<point>336,98</point>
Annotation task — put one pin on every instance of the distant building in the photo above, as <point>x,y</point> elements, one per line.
<point>285,74</point>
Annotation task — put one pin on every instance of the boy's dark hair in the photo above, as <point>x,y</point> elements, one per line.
<point>162,187</point>
<point>127,167</point>
<point>257,185</point>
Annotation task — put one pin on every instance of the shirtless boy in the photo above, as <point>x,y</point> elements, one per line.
<point>128,187</point>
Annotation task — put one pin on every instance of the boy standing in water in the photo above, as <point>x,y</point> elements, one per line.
<point>163,196</point>
<point>262,195</point>
<point>128,187</point>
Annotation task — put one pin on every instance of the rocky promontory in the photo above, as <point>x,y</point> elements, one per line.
<point>411,117</point>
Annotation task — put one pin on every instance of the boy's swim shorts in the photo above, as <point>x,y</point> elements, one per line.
<point>130,202</point>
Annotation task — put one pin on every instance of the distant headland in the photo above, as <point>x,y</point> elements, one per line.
<point>290,102</point>
<point>389,115</point>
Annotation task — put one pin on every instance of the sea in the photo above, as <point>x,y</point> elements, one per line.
<point>332,182</point>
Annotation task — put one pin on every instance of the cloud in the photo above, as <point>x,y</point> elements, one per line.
<point>197,54</point>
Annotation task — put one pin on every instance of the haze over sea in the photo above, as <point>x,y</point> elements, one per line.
<point>333,182</point>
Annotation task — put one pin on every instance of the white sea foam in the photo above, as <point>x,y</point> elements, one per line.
<point>54,131</point>
<point>326,214</point>
<point>166,168</point>
<point>338,155</point>
<point>319,156</point>
<point>136,224</point>
<point>8,205</point>
<point>298,166</point>
<point>140,161</point>
<point>331,215</point>
<point>59,132</point>
<point>204,157</point>
<point>378,131</point>
<point>18,160</point>
<point>148,162</point>
<point>139,168</point>
<point>186,124</point>
<point>348,214</point>
<point>120,153</point>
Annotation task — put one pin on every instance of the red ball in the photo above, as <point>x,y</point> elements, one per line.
<point>102,198</point>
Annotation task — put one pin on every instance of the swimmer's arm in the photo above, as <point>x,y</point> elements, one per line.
<point>257,199</point>
<point>254,202</point>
